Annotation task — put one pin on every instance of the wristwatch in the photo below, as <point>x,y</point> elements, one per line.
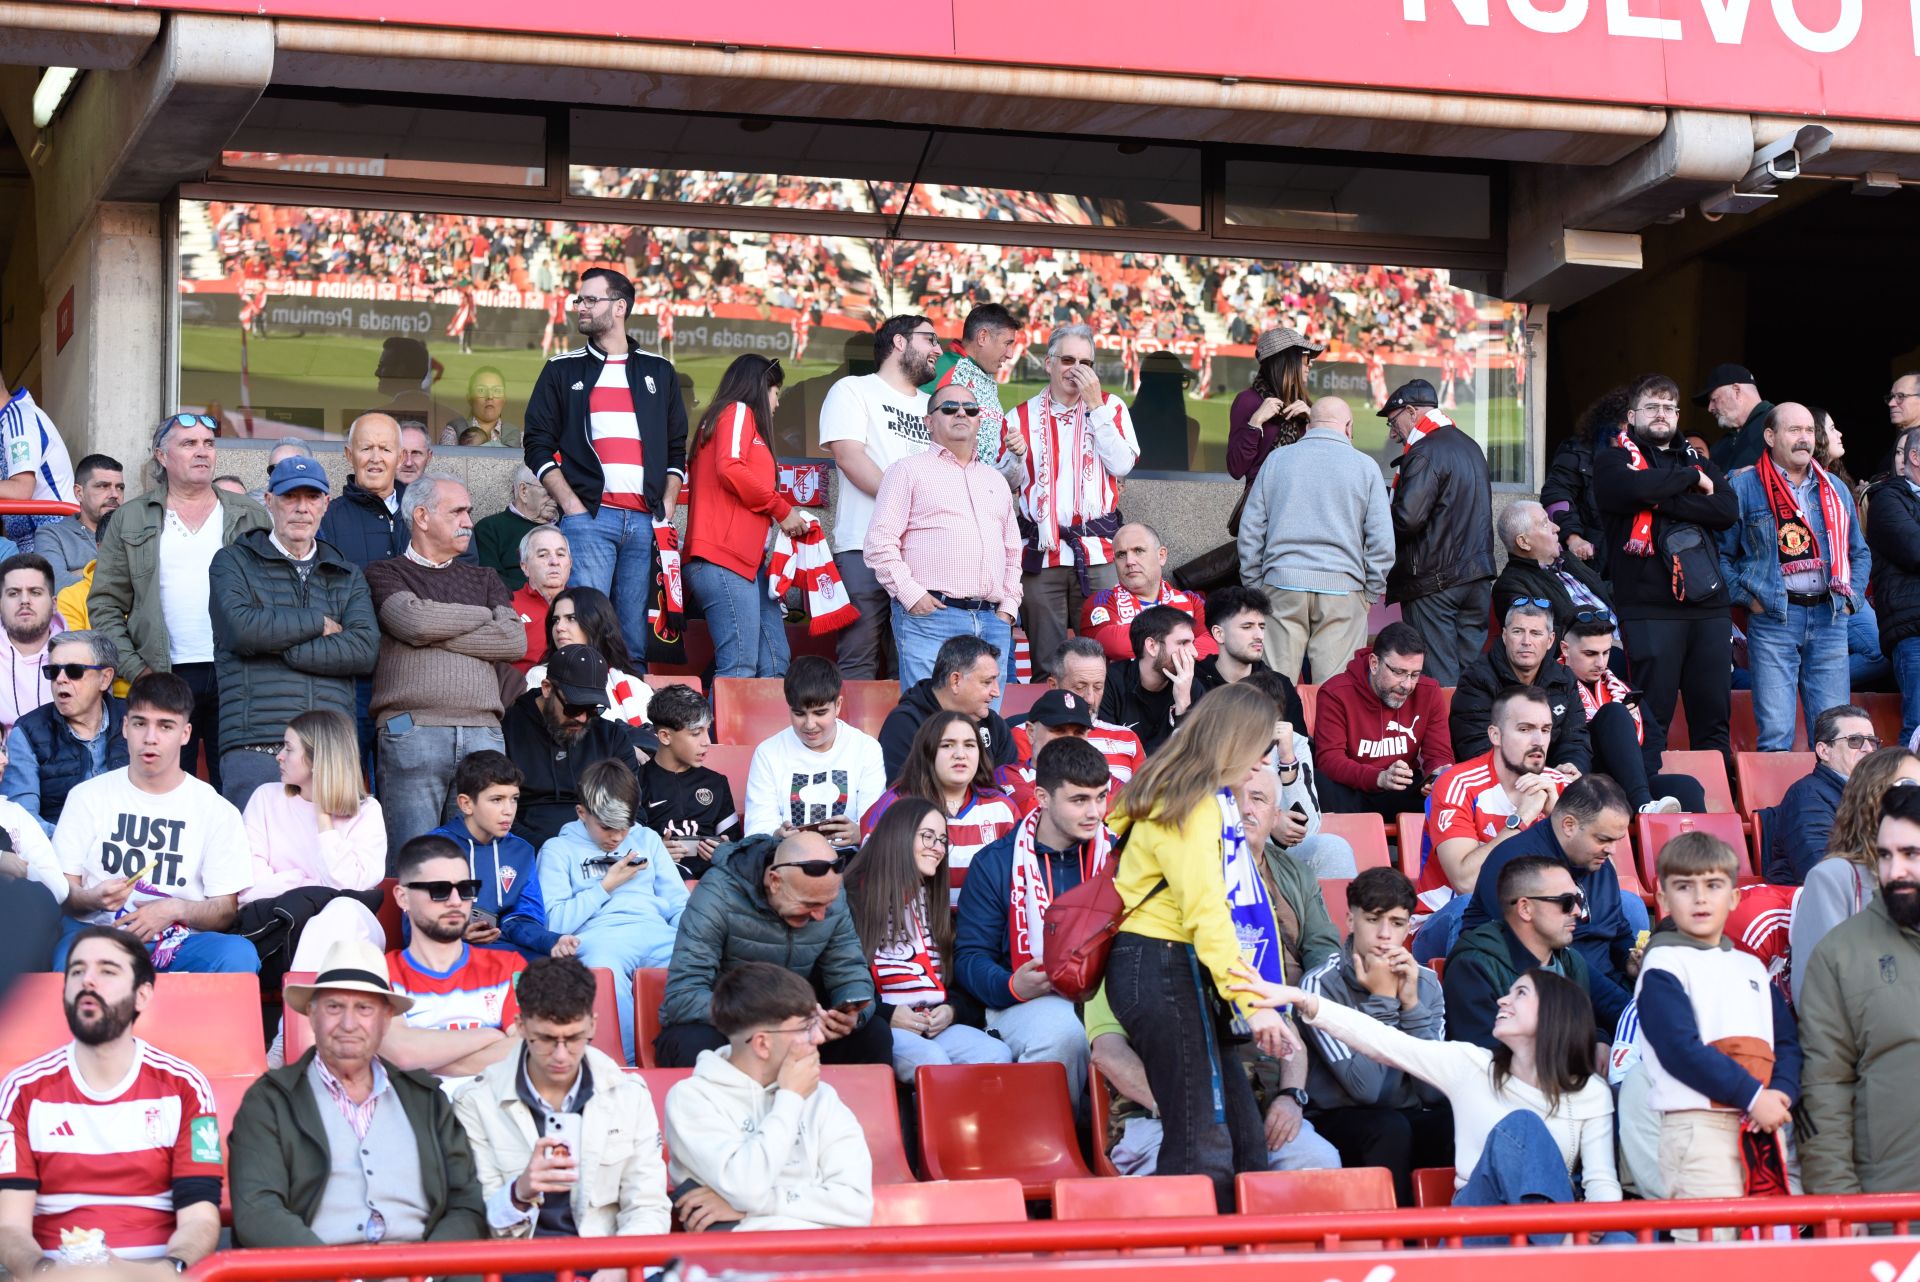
<point>1297,1095</point>
<point>1513,823</point>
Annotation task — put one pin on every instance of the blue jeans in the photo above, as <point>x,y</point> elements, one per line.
<point>1803,651</point>
<point>748,628</point>
<point>613,551</point>
<point>205,952</point>
<point>918,638</point>
<point>1906,671</point>
<point>416,776</point>
<point>1519,1163</point>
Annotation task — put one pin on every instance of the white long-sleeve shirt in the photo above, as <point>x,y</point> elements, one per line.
<point>785,1161</point>
<point>789,782</point>
<point>1582,1125</point>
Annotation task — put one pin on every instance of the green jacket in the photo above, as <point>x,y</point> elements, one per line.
<point>1482,967</point>
<point>1860,1033</point>
<point>1295,880</point>
<point>278,1160</point>
<point>125,600</point>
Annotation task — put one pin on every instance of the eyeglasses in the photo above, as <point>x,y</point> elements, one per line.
<point>440,891</point>
<point>1894,398</point>
<point>926,333</point>
<point>1068,362</point>
<point>1402,674</point>
<point>928,837</point>
<point>1857,742</point>
<point>543,1044</point>
<point>812,1022</point>
<point>73,671</point>
<point>1571,902</point>
<point>1653,409</point>
<point>815,867</point>
<point>192,420</point>
<point>969,408</point>
<point>591,300</point>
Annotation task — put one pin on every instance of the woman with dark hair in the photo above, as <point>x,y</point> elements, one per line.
<point>1526,1114</point>
<point>946,766</point>
<point>584,616</point>
<point>1847,880</point>
<point>1273,410</point>
<point>897,890</point>
<point>733,503</point>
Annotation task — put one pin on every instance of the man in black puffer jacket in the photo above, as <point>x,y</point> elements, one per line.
<point>293,626</point>
<point>1893,536</point>
<point>1522,655</point>
<point>1442,572</point>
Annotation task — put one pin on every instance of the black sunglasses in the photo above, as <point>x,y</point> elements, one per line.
<point>438,891</point>
<point>73,671</point>
<point>969,408</point>
<point>1593,616</point>
<point>1571,902</point>
<point>580,709</point>
<point>816,867</point>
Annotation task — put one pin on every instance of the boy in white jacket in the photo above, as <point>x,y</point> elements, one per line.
<point>758,1141</point>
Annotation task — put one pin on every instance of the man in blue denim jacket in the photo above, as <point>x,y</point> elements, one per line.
<point>1797,560</point>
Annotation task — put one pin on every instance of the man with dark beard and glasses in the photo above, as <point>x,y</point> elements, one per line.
<point>554,733</point>
<point>463,1012</point>
<point>72,1156</point>
<point>1859,1013</point>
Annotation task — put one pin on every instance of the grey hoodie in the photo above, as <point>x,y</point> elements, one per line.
<point>1339,1076</point>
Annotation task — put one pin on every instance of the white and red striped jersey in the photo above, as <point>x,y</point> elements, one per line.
<point>477,992</point>
<point>111,1160</point>
<point>984,819</point>
<point>615,431</point>
<point>1073,465</point>
<point>1467,804</point>
<point>1119,745</point>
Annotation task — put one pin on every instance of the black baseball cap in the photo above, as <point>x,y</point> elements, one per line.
<point>1414,392</point>
<point>1721,376</point>
<point>579,674</point>
<point>1058,708</point>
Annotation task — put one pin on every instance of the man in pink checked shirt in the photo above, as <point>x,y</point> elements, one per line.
<point>944,544</point>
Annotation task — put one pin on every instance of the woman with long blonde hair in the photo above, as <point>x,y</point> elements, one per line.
<point>316,836</point>
<point>1196,908</point>
<point>1845,881</point>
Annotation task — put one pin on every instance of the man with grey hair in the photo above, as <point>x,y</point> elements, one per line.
<point>448,633</point>
<point>1538,570</point>
<point>365,525</point>
<point>1893,533</point>
<point>496,538</point>
<point>293,628</point>
<point>72,737</point>
<point>546,561</point>
<point>1316,536</point>
<point>288,447</point>
<point>150,582</point>
<point>1078,444</point>
<point>416,453</point>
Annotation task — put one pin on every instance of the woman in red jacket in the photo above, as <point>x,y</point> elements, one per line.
<point>734,502</point>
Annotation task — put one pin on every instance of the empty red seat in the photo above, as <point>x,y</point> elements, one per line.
<point>1018,699</point>
<point>659,1081</point>
<point>733,760</point>
<point>1655,831</point>
<point>1149,1196</point>
<point>1409,829</point>
<point>1433,1186</point>
<point>865,704</point>
<point>1764,777</point>
<point>1100,1102</point>
<point>747,710</point>
<point>983,1121</point>
<point>1309,704</point>
<point>1884,711</point>
<point>1367,834</point>
<point>869,1090</point>
<point>1333,893</point>
<point>1359,1188</point>
<point>388,913</point>
<point>1743,732</point>
<point>649,990</point>
<point>948,1202</point>
<point>661,680</point>
<point>1709,768</point>
<point>210,1021</point>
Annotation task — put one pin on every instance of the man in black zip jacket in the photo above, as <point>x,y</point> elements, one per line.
<point>1648,481</point>
<point>606,433</point>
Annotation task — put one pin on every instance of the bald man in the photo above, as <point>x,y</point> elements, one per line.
<point>1317,537</point>
<point>1797,560</point>
<point>1140,561</point>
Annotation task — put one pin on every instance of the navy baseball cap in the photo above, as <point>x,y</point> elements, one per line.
<point>1058,708</point>
<point>297,473</point>
<point>1414,392</point>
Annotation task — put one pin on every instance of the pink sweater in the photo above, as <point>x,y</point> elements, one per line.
<point>290,851</point>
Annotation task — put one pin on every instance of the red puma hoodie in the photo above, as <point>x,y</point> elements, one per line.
<point>1355,736</point>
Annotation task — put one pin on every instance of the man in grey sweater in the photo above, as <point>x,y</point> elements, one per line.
<point>1317,536</point>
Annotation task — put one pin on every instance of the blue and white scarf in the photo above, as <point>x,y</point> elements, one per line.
<point>1254,925</point>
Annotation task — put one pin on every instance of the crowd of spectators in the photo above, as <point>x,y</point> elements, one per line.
<point>390,727</point>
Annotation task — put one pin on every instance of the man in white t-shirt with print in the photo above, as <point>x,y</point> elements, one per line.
<point>820,772</point>
<point>870,422</point>
<point>153,850</point>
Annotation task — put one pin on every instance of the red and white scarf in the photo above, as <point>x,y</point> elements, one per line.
<point>1032,887</point>
<point>1041,475</point>
<point>1798,548</point>
<point>808,561</point>
<point>906,968</point>
<point>1608,689</point>
<point>1640,537</point>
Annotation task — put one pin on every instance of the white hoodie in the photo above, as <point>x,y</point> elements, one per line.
<point>787,1162</point>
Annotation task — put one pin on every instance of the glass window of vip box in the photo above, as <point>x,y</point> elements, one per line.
<point>296,318</point>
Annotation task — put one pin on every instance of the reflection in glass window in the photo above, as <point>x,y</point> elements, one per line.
<point>1358,200</point>
<point>294,319</point>
<point>427,144</point>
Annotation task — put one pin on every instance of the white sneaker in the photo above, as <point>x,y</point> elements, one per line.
<point>1662,806</point>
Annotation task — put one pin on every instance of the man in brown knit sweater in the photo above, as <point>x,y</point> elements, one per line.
<point>445,625</point>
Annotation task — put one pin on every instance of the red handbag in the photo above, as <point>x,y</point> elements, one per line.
<point>1077,932</point>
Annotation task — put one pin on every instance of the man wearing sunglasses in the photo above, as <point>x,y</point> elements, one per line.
<point>1537,569</point>
<point>1541,907</point>
<point>944,544</point>
<point>1797,829</point>
<point>73,737</point>
<point>777,900</point>
<point>556,732</point>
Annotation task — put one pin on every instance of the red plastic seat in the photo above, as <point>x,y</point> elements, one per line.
<point>1367,834</point>
<point>949,1202</point>
<point>1709,768</point>
<point>1743,732</point>
<point>1433,1186</point>
<point>747,710</point>
<point>1655,831</point>
<point>606,1015</point>
<point>1100,1102</point>
<point>1409,829</point>
<point>870,1091</point>
<point>1438,966</point>
<point>1310,704</point>
<point>733,760</point>
<point>388,913</point>
<point>1018,699</point>
<point>649,990</point>
<point>1333,893</point>
<point>659,1081</point>
<point>865,704</point>
<point>210,1021</point>
<point>661,680</point>
<point>1628,872</point>
<point>980,1121</point>
<point>1148,1197</point>
<point>1884,711</point>
<point>1764,777</point>
<point>1358,1188</point>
